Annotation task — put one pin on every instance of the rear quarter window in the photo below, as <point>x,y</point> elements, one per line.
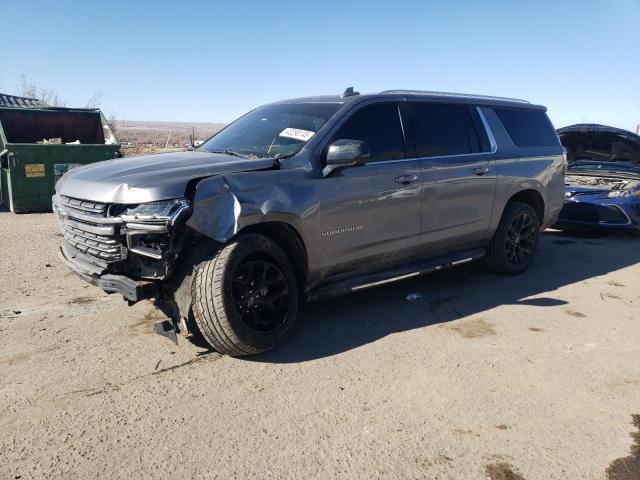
<point>528,128</point>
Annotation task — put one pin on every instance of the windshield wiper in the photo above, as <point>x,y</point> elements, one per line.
<point>235,153</point>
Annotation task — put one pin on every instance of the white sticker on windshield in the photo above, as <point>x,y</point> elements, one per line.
<point>296,134</point>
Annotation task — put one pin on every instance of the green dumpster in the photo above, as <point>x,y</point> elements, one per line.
<point>39,145</point>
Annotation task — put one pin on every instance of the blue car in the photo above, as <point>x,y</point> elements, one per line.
<point>602,182</point>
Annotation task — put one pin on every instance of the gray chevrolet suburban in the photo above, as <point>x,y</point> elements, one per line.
<point>311,198</point>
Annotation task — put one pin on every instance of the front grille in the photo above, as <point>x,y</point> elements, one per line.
<point>590,213</point>
<point>579,212</point>
<point>105,247</point>
<point>95,239</point>
<point>84,206</point>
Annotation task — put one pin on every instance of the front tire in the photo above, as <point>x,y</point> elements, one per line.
<point>511,249</point>
<point>245,298</point>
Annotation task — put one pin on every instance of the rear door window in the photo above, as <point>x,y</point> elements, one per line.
<point>444,129</point>
<point>379,126</point>
<point>528,128</point>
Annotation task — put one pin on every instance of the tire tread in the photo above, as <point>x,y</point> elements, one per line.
<point>492,259</point>
<point>209,309</point>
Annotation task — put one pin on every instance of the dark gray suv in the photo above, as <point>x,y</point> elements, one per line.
<point>311,198</point>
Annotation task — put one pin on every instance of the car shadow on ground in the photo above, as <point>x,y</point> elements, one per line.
<point>344,323</point>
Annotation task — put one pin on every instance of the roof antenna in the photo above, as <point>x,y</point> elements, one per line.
<point>349,92</point>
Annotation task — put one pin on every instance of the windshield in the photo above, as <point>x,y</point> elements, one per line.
<point>272,131</point>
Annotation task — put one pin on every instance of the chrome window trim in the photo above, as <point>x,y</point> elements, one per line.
<point>370,164</point>
<point>492,142</point>
<point>485,124</point>
<point>459,155</point>
<point>404,134</point>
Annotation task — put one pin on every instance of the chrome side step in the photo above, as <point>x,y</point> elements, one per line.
<point>382,282</point>
<point>405,272</point>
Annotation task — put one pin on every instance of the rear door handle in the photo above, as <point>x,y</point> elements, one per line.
<point>406,179</point>
<point>480,170</point>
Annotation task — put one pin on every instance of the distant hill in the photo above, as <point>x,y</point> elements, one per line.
<point>147,136</point>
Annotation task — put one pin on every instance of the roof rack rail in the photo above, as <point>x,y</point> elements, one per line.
<point>450,94</point>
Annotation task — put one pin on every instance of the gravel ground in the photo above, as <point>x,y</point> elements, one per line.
<point>532,377</point>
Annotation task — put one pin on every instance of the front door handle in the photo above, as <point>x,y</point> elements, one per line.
<point>406,179</point>
<point>480,170</point>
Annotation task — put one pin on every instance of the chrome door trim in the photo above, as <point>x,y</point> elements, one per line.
<point>485,124</point>
<point>369,164</point>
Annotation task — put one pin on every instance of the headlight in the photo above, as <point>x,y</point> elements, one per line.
<point>148,226</point>
<point>623,193</point>
<point>164,211</point>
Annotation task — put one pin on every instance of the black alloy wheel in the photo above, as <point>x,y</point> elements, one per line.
<point>245,296</point>
<point>520,239</point>
<point>261,294</point>
<point>514,242</point>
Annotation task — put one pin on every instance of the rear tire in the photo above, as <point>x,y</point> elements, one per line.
<point>245,298</point>
<point>511,250</point>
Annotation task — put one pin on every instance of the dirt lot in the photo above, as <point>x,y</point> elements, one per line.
<point>534,377</point>
<point>139,138</point>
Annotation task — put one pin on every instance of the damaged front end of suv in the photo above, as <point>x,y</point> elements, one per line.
<point>602,183</point>
<point>110,244</point>
<point>150,250</point>
<point>143,226</point>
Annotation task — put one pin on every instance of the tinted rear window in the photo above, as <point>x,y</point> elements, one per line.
<point>379,126</point>
<point>528,128</point>
<point>442,129</point>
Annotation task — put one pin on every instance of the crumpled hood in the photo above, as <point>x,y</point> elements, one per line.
<point>150,178</point>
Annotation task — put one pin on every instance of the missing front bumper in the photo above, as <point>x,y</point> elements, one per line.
<point>129,288</point>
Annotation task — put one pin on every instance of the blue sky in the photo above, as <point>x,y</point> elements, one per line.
<point>212,61</point>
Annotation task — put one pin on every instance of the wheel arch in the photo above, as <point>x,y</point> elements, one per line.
<point>289,239</point>
<point>533,198</point>
<point>179,286</point>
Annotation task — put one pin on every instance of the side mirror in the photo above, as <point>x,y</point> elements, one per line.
<point>345,153</point>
